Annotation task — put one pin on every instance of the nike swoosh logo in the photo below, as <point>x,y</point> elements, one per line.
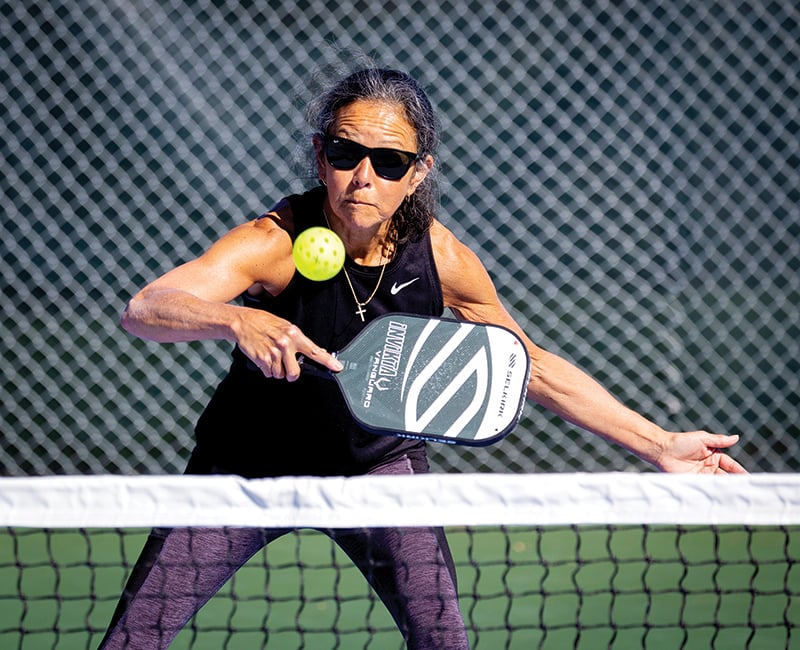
<point>397,288</point>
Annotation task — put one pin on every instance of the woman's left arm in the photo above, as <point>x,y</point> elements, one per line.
<point>563,388</point>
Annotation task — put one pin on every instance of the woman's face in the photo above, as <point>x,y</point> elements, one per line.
<point>359,197</point>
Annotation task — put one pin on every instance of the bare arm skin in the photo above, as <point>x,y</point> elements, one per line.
<point>192,301</point>
<point>565,389</point>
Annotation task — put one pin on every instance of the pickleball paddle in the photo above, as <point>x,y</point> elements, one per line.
<point>436,379</point>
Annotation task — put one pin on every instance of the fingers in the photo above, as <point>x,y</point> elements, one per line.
<point>270,366</point>
<point>273,344</point>
<point>325,358</point>
<point>701,452</point>
<point>281,359</point>
<point>728,465</point>
<point>295,343</point>
<point>725,464</point>
<point>722,441</point>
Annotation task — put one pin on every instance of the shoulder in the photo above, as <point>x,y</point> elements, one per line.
<point>466,285</point>
<point>289,214</point>
<point>271,228</point>
<point>449,251</point>
<point>260,249</point>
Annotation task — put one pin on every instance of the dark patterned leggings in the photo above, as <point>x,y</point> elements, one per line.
<point>180,569</point>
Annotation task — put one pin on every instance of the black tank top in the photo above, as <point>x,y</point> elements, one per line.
<point>260,427</point>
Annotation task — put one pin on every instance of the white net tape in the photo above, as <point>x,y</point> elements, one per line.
<point>374,501</point>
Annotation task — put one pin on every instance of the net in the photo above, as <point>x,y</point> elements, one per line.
<point>551,561</point>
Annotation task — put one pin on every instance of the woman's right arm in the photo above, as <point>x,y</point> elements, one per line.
<point>192,301</point>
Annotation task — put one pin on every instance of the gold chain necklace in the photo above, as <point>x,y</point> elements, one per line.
<point>359,304</point>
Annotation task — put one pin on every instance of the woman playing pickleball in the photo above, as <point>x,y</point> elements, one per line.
<point>375,142</point>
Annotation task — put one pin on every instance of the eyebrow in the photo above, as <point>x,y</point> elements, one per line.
<point>393,144</point>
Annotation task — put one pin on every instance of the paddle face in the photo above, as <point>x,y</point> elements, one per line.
<point>435,379</point>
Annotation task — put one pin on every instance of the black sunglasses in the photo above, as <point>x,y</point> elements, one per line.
<point>391,164</point>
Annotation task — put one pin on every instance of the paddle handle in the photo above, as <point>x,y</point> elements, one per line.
<point>306,365</point>
<point>313,368</point>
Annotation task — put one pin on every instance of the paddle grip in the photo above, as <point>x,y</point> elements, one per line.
<point>313,368</point>
<point>306,365</point>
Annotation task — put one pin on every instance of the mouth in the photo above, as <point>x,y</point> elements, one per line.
<point>357,203</point>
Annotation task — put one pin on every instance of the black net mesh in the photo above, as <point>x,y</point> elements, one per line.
<point>628,172</point>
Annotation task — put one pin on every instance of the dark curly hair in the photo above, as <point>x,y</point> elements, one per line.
<point>415,215</point>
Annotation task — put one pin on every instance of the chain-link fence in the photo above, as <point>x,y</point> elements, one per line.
<point>628,171</point>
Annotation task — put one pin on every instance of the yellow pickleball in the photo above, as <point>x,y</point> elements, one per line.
<point>318,253</point>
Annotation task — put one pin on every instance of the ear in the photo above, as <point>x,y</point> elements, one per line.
<point>421,170</point>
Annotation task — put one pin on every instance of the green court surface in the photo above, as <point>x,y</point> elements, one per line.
<point>521,588</point>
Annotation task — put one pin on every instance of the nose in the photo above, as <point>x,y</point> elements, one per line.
<point>363,173</point>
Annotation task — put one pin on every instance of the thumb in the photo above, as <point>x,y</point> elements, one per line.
<point>722,440</point>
